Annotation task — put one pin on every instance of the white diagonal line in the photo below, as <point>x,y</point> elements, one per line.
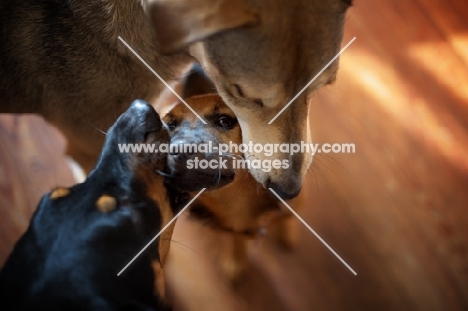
<point>312,230</point>
<point>311,81</point>
<point>162,80</point>
<point>162,230</point>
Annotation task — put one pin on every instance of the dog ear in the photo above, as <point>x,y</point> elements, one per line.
<point>177,23</point>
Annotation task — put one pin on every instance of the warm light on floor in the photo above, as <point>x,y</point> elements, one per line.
<point>412,110</point>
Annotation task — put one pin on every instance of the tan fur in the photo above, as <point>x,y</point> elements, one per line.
<point>60,192</point>
<point>159,280</point>
<point>196,20</point>
<point>243,208</point>
<point>63,60</point>
<point>143,171</point>
<point>143,166</point>
<point>106,204</point>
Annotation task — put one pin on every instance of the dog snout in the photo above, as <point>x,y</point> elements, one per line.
<point>138,125</point>
<point>286,194</point>
<point>137,122</point>
<point>144,116</point>
<point>183,149</point>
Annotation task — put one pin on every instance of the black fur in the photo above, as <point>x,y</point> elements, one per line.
<point>70,255</point>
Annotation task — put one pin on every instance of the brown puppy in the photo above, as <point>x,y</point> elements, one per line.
<point>64,60</point>
<point>241,206</point>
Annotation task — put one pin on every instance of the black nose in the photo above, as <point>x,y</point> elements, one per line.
<point>144,116</point>
<point>285,194</point>
<point>183,149</point>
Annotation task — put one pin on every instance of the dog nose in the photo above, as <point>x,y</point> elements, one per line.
<point>182,149</point>
<point>284,194</point>
<point>146,116</point>
<point>184,145</point>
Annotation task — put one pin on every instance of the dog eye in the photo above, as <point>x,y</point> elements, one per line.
<point>258,102</point>
<point>241,94</point>
<point>172,125</point>
<point>226,122</point>
<point>239,90</point>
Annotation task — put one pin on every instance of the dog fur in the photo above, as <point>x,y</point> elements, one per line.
<point>81,237</point>
<point>240,207</point>
<point>63,60</point>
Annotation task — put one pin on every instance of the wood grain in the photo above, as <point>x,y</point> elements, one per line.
<point>31,164</point>
<point>396,210</point>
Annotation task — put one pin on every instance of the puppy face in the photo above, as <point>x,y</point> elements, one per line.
<point>81,237</point>
<point>186,129</point>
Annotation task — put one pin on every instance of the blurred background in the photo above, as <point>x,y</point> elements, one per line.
<point>396,210</point>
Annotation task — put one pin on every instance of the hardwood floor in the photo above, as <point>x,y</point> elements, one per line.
<point>31,163</point>
<point>396,210</point>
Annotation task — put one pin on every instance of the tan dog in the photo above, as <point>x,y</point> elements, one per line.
<point>63,60</point>
<point>242,207</point>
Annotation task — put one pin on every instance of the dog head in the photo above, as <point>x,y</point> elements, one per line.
<point>81,237</point>
<point>187,167</point>
<point>260,54</point>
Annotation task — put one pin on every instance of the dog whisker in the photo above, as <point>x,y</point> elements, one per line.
<point>166,174</point>
<point>320,177</point>
<point>312,172</point>
<point>181,245</point>
<point>219,176</point>
<point>321,157</point>
<point>93,126</point>
<point>115,114</point>
<point>232,155</point>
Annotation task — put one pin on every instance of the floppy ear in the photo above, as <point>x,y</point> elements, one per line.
<point>177,23</point>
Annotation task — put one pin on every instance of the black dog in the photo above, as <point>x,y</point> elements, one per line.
<point>81,237</point>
